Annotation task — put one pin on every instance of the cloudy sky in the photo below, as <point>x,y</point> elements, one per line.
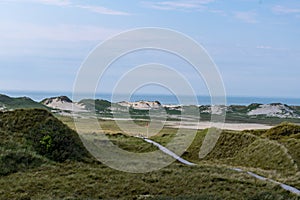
<point>254,43</point>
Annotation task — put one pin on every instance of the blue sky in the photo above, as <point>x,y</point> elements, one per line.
<point>255,43</point>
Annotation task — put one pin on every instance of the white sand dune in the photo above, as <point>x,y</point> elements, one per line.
<point>63,103</point>
<point>67,106</point>
<point>141,105</point>
<point>274,110</point>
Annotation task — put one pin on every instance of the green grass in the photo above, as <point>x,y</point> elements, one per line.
<point>42,158</point>
<point>283,130</point>
<point>76,180</point>
<point>265,154</point>
<point>131,144</point>
<point>30,138</point>
<point>97,105</point>
<point>20,102</point>
<point>293,146</point>
<point>20,160</point>
<point>251,150</point>
<point>246,149</point>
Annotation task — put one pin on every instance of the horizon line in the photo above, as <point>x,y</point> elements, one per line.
<point>64,93</point>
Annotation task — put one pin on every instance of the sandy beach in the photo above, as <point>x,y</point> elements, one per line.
<point>228,126</point>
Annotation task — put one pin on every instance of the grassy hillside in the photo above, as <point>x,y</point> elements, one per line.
<point>42,158</point>
<point>30,138</point>
<point>284,130</point>
<point>273,153</point>
<point>99,105</point>
<point>8,103</point>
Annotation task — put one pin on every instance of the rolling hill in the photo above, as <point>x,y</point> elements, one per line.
<point>272,153</point>
<point>10,103</point>
<point>32,137</point>
<point>271,114</point>
<point>42,158</point>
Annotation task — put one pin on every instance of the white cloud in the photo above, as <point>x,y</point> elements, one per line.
<point>248,16</point>
<point>63,32</point>
<point>52,43</point>
<point>179,4</point>
<point>69,3</point>
<point>284,10</point>
<point>101,10</point>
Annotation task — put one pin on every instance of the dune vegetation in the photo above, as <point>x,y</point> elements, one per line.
<point>42,158</point>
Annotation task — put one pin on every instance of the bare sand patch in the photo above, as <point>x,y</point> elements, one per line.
<point>228,126</point>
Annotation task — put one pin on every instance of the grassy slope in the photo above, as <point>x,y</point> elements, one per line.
<point>97,105</point>
<point>30,138</point>
<point>20,102</point>
<point>246,149</point>
<point>275,158</point>
<point>78,179</point>
<point>249,149</point>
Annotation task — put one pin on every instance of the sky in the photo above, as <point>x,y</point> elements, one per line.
<point>254,43</point>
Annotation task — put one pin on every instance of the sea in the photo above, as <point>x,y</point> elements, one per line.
<point>163,99</point>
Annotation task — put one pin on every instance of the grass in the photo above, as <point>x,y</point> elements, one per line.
<point>30,138</point>
<point>284,130</point>
<point>76,180</point>
<point>21,160</point>
<point>293,146</point>
<point>131,144</point>
<point>97,105</point>
<point>246,149</point>
<point>265,154</point>
<point>20,102</point>
<point>33,140</point>
<point>251,150</point>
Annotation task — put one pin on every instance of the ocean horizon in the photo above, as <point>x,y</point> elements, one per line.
<point>164,99</point>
